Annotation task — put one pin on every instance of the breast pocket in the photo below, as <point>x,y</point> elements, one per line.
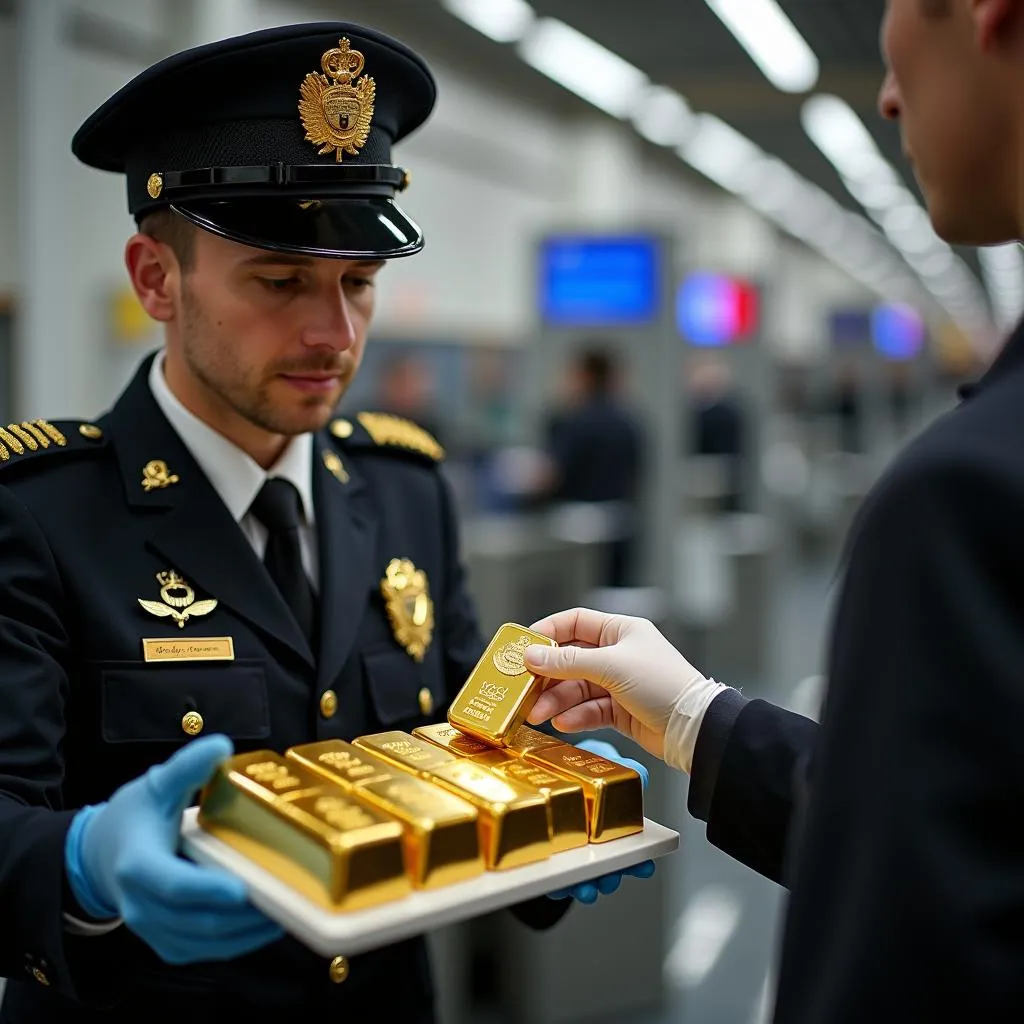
<point>400,690</point>
<point>144,703</point>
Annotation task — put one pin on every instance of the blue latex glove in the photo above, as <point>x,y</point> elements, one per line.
<point>121,862</point>
<point>588,892</point>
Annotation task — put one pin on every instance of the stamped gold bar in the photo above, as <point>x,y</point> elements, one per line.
<point>307,832</point>
<point>195,648</point>
<point>442,841</point>
<point>447,737</point>
<point>526,739</point>
<point>440,838</point>
<point>567,807</point>
<point>341,762</point>
<point>501,690</point>
<point>404,751</point>
<point>614,793</point>
<point>513,822</point>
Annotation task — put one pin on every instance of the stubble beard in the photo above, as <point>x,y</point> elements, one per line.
<point>222,376</point>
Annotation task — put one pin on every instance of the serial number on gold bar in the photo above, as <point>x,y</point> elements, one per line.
<point>440,832</point>
<point>447,737</point>
<point>404,751</point>
<point>306,831</point>
<point>614,793</point>
<point>501,690</point>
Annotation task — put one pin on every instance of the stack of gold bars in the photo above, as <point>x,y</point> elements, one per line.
<point>353,825</point>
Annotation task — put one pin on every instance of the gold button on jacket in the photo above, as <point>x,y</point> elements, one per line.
<point>192,723</point>
<point>339,970</point>
<point>328,703</point>
<point>426,701</point>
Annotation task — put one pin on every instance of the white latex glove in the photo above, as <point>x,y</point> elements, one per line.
<point>620,671</point>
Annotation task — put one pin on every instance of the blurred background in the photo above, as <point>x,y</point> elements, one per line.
<point>679,304</point>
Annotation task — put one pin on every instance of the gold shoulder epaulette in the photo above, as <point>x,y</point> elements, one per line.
<point>389,431</point>
<point>30,437</point>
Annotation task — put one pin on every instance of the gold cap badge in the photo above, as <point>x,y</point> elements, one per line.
<point>338,116</point>
<point>409,607</point>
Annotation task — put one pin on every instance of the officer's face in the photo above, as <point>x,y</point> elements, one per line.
<point>276,338</point>
<point>949,88</point>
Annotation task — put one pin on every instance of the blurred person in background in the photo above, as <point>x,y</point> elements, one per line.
<point>595,444</point>
<point>221,497</point>
<point>407,388</point>
<point>718,425</point>
<point>895,823</point>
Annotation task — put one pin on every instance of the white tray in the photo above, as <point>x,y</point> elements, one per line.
<point>357,931</point>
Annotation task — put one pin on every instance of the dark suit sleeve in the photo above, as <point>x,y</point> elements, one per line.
<point>909,878</point>
<point>748,776</point>
<point>33,691</point>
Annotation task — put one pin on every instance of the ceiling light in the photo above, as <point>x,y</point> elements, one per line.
<point>504,21</point>
<point>771,39</point>
<point>834,127</point>
<point>664,117</point>
<point>720,152</point>
<point>584,67</point>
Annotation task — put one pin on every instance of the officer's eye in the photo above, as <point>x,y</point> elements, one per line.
<point>278,284</point>
<point>359,283</point>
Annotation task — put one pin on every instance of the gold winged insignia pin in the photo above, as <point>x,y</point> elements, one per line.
<point>179,600</point>
<point>338,116</point>
<point>409,607</point>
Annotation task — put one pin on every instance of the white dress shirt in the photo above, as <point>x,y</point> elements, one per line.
<point>236,477</point>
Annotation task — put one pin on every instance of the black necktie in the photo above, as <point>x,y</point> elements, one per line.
<point>279,508</point>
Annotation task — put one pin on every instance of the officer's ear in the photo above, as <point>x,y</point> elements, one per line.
<point>155,274</point>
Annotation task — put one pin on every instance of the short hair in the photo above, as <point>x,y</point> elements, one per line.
<point>173,230</point>
<point>600,367</point>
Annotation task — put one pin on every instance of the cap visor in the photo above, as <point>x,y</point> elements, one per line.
<point>371,227</point>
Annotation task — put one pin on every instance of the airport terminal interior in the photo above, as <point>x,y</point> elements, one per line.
<point>688,211</point>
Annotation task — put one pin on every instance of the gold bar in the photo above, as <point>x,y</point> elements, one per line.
<point>440,840</point>
<point>447,737</point>
<point>404,751</point>
<point>501,690</point>
<point>513,821</point>
<point>339,853</point>
<point>614,793</point>
<point>567,807</point>
<point>526,739</point>
<point>342,763</point>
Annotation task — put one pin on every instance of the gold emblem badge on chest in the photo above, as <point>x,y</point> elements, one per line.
<point>409,607</point>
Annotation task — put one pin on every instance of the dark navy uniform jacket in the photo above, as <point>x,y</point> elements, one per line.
<point>896,825</point>
<point>81,712</point>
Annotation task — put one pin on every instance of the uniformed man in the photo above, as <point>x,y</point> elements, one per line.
<point>220,499</point>
<point>895,824</point>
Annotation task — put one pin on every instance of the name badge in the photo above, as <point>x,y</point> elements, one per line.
<point>197,648</point>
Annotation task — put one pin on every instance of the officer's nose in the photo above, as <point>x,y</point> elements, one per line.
<point>335,326</point>
<point>889,101</point>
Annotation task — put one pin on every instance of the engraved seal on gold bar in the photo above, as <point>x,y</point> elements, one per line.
<point>500,691</point>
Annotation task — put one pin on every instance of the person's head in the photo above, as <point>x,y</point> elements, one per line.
<point>405,386</point>
<point>596,371</point>
<point>271,338</point>
<point>709,377</point>
<point>264,220</point>
<point>956,86</point>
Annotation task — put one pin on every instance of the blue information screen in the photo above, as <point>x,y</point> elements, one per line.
<point>594,282</point>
